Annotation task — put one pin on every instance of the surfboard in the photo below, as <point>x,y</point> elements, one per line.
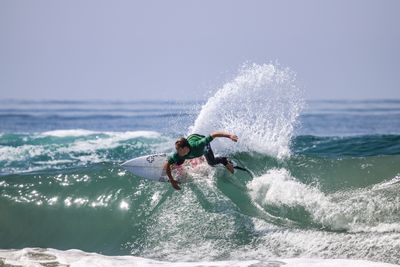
<point>148,167</point>
<point>151,167</point>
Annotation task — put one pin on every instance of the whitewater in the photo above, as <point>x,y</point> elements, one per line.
<point>323,190</point>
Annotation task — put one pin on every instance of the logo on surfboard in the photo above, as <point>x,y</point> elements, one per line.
<point>151,158</point>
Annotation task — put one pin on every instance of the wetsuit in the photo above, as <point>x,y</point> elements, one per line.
<point>199,145</point>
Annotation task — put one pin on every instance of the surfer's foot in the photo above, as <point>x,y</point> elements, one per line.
<point>229,167</point>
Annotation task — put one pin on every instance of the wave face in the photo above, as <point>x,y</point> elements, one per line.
<point>325,181</point>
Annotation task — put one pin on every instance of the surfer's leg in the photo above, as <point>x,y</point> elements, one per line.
<point>180,162</point>
<point>212,160</point>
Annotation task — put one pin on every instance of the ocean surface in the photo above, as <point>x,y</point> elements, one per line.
<point>325,183</point>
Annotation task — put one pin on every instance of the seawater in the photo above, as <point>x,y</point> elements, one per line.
<point>325,183</point>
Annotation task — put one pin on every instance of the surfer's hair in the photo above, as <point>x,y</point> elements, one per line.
<point>182,142</point>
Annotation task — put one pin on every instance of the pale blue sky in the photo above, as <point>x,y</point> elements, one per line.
<point>129,50</point>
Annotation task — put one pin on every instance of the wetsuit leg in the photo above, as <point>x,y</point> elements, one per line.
<point>180,162</point>
<point>211,159</point>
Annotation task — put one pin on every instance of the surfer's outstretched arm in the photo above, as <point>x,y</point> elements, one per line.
<point>174,183</point>
<point>231,136</point>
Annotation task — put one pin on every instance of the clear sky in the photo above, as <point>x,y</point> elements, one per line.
<point>127,50</point>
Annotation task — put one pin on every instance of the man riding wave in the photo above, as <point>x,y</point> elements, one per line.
<point>194,146</point>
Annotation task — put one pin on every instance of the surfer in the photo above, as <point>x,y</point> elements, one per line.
<point>194,146</point>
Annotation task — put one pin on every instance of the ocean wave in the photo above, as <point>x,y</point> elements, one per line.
<point>216,216</point>
<point>71,148</point>
<point>65,189</point>
<point>358,210</point>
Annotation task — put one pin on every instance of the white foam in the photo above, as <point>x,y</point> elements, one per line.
<point>80,151</point>
<point>133,134</point>
<point>260,105</point>
<point>67,133</point>
<point>54,162</point>
<point>120,135</point>
<point>76,258</point>
<point>20,153</point>
<point>386,184</point>
<point>362,210</point>
<point>113,140</point>
<point>277,187</point>
<point>380,228</point>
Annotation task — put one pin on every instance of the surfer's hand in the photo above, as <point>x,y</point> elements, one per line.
<point>175,185</point>
<point>234,137</point>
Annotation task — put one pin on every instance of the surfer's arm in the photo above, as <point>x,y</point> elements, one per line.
<point>231,136</point>
<point>174,183</point>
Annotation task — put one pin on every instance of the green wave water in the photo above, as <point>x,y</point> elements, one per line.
<point>77,196</point>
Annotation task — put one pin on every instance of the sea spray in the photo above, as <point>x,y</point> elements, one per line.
<point>260,105</point>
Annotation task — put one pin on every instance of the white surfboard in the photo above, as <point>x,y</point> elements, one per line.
<point>150,167</point>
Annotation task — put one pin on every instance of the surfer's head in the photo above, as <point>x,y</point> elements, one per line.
<point>182,146</point>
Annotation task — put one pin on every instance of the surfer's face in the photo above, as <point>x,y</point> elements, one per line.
<point>182,151</point>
